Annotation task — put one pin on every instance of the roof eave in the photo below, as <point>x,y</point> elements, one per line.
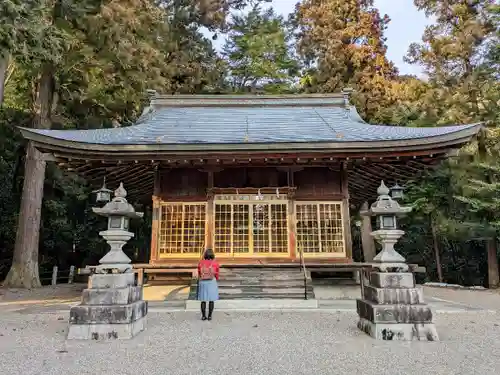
<point>455,138</point>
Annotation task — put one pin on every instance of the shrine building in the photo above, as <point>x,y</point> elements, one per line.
<point>260,179</point>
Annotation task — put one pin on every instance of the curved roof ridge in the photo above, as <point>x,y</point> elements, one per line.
<point>355,116</point>
<point>147,114</point>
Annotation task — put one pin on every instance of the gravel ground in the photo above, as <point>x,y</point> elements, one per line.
<point>486,299</point>
<point>263,343</point>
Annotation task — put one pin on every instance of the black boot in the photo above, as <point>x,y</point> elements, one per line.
<point>203,310</point>
<point>211,306</point>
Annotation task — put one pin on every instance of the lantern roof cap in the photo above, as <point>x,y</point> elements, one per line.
<point>103,188</point>
<point>385,205</point>
<point>118,206</point>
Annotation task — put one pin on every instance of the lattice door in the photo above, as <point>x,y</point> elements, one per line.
<point>182,229</point>
<point>250,228</point>
<point>320,229</point>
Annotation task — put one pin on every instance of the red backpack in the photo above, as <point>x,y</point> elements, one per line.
<point>207,271</point>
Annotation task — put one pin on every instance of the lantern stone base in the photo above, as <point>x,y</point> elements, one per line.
<point>399,331</point>
<point>112,308</point>
<point>393,308</point>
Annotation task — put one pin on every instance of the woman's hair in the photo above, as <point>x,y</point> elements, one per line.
<point>209,254</point>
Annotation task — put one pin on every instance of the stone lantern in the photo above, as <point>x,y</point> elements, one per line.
<point>391,306</point>
<point>103,195</point>
<point>112,306</point>
<point>119,212</point>
<point>397,192</point>
<point>387,210</point>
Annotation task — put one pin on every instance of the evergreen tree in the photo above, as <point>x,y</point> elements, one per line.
<point>68,36</point>
<point>20,25</point>
<point>452,54</point>
<point>258,52</point>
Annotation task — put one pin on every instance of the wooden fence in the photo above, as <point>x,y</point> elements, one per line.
<point>58,276</point>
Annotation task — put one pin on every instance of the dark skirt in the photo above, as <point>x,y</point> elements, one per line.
<point>208,290</point>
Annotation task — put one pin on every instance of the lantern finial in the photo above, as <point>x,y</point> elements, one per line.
<point>120,192</point>
<point>382,189</point>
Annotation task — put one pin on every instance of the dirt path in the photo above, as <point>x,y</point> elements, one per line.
<point>46,294</point>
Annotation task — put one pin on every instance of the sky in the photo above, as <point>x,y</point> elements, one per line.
<point>407,25</point>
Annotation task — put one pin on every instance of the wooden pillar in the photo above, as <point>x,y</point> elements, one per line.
<point>345,210</point>
<point>210,211</point>
<point>155,225</point>
<point>367,242</point>
<point>292,225</point>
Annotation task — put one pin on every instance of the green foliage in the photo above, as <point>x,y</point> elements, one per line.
<point>104,54</point>
<point>10,175</point>
<point>258,52</point>
<point>343,45</point>
<point>453,53</point>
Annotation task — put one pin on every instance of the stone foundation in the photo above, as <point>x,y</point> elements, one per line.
<point>393,308</point>
<point>112,308</point>
<point>400,331</point>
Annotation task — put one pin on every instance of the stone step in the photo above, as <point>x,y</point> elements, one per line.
<point>257,304</point>
<point>175,303</point>
<point>256,293</point>
<point>266,269</point>
<point>261,283</point>
<point>275,283</point>
<point>243,271</point>
<point>266,296</point>
<point>258,290</point>
<point>334,281</point>
<point>263,277</point>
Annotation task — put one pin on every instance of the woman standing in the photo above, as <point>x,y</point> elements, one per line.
<point>208,290</point>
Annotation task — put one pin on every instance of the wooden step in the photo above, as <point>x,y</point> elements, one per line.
<point>268,283</point>
<point>270,296</point>
<point>261,283</point>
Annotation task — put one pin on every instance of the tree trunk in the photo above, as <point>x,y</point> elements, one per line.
<point>4,64</point>
<point>436,251</point>
<point>24,270</point>
<point>493,279</point>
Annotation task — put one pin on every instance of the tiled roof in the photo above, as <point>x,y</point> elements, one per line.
<point>251,121</point>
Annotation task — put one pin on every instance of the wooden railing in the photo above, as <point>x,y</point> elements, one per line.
<point>304,271</point>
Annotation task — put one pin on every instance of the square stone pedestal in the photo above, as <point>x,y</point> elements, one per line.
<point>112,308</point>
<point>393,308</point>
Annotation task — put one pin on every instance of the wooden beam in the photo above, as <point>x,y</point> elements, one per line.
<point>157,182</point>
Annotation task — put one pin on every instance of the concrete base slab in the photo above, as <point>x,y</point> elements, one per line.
<point>392,279</point>
<point>257,304</point>
<point>106,331</point>
<point>409,296</point>
<point>108,314</point>
<point>115,296</point>
<point>112,280</point>
<point>399,331</point>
